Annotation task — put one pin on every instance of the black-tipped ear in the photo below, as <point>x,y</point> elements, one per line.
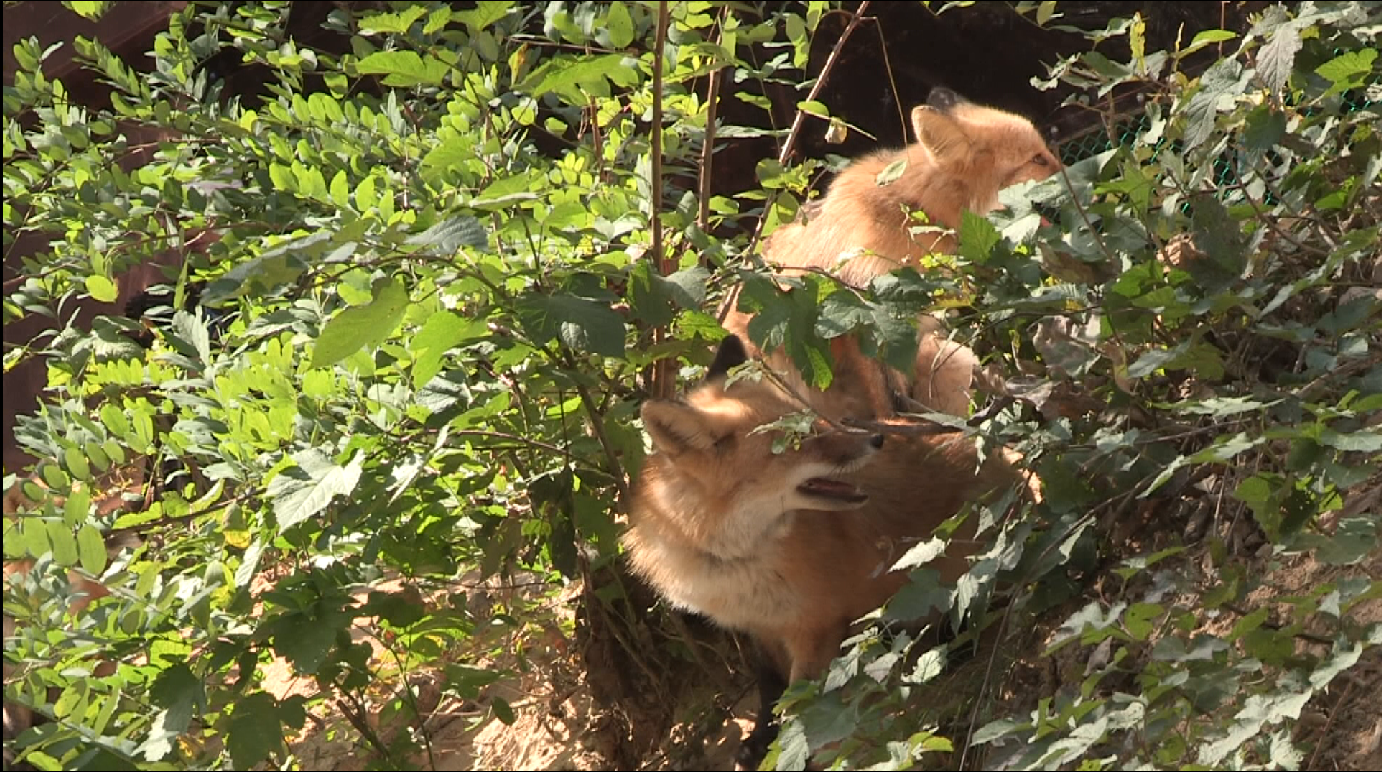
<point>943,99</point>
<point>730,355</point>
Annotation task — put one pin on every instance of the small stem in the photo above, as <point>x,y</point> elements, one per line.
<point>708,152</point>
<point>820,80</point>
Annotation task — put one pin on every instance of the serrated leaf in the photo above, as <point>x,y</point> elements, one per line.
<point>392,22</point>
<point>305,490</point>
<point>452,233</point>
<point>191,328</point>
<point>1347,68</point>
<point>1359,440</point>
<point>254,731</point>
<point>1275,58</point>
<point>485,14</point>
<point>562,72</point>
<point>362,327</point>
<point>1216,85</point>
<point>978,237</point>
<point>442,332</point>
<point>584,325</point>
<point>922,594</point>
<point>920,554</point>
<point>404,68</point>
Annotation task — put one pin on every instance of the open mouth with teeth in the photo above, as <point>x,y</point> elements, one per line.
<point>835,490</point>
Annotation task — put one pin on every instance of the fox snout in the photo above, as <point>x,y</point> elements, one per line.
<point>847,450</point>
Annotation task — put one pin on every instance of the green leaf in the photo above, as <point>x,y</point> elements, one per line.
<point>362,327</point>
<point>33,532</point>
<point>179,692</point>
<point>91,550</point>
<point>620,25</point>
<point>77,507</point>
<point>1207,38</point>
<point>562,72</point>
<point>978,237</point>
<point>922,594</point>
<point>581,324</point>
<point>485,14</point>
<point>303,491</point>
<point>307,638</point>
<point>452,233</point>
<point>1217,85</point>
<point>88,10</point>
<point>502,710</point>
<point>404,68</point>
<point>1347,69</point>
<point>101,288</point>
<point>76,463</point>
<point>63,543</point>
<point>254,731</point>
<point>442,332</point>
<point>1358,440</point>
<point>655,298</point>
<point>392,22</point>
<point>891,172</point>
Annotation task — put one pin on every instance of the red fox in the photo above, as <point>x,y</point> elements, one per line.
<point>789,547</point>
<point>964,155</point>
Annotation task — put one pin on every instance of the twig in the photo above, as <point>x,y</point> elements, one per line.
<point>616,470</point>
<point>816,87</point>
<point>800,118</point>
<point>888,68</point>
<point>662,385</point>
<point>908,429</point>
<point>712,99</point>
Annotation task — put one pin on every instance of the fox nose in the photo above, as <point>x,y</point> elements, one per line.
<point>876,441</point>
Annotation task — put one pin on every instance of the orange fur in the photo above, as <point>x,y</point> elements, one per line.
<point>722,526</point>
<point>964,155</point>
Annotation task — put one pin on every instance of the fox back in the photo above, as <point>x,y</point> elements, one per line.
<point>964,154</point>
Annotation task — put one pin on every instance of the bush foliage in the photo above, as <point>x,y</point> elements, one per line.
<point>421,287</point>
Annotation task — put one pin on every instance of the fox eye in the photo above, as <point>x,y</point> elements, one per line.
<point>1040,160</point>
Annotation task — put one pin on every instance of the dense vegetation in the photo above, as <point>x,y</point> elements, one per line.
<point>421,287</point>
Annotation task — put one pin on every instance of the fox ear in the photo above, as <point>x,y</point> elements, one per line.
<point>674,427</point>
<point>730,355</point>
<point>939,132</point>
<point>943,99</point>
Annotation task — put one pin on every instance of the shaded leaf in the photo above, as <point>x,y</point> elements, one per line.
<point>362,327</point>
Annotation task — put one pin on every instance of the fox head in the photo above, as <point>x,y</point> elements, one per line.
<point>723,477</point>
<point>982,148</point>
